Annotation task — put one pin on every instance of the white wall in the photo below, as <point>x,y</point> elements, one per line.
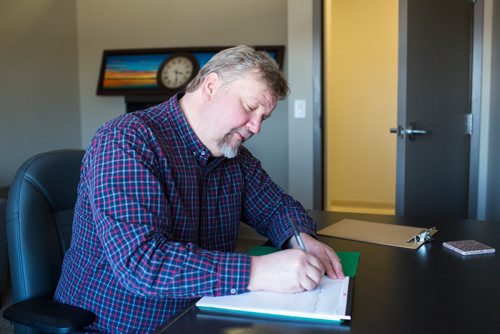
<point>129,24</point>
<point>301,137</point>
<point>39,109</point>
<point>493,175</point>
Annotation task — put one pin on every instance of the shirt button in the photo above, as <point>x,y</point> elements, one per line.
<point>233,291</point>
<point>202,152</point>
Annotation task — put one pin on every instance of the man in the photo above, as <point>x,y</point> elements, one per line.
<point>162,193</point>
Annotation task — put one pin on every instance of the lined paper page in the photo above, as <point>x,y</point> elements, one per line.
<point>328,301</point>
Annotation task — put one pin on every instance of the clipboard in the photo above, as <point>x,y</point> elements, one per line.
<point>379,233</point>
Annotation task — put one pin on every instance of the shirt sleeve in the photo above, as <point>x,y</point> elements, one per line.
<point>267,208</point>
<point>131,216</point>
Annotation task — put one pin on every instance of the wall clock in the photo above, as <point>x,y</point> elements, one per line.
<point>177,71</point>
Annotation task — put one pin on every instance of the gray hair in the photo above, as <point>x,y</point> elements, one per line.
<point>230,64</point>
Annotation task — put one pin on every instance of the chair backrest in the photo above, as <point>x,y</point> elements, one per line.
<point>39,218</point>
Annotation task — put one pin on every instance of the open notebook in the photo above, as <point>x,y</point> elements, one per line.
<point>330,301</point>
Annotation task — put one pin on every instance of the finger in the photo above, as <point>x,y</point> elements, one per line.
<point>308,284</point>
<point>316,263</point>
<point>314,274</point>
<point>337,271</point>
<point>329,259</point>
<point>327,262</point>
<point>325,254</point>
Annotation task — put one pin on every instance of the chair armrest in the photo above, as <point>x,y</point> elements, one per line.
<point>48,315</point>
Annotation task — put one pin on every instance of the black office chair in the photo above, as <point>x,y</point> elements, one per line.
<point>39,218</point>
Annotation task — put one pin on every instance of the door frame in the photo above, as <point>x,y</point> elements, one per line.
<point>476,91</point>
<point>317,105</point>
<point>401,105</point>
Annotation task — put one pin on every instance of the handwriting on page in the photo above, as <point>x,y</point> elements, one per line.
<point>327,301</point>
<point>320,300</point>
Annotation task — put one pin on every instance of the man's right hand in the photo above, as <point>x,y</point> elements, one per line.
<point>287,271</point>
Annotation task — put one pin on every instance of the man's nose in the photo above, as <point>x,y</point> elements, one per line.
<point>255,124</point>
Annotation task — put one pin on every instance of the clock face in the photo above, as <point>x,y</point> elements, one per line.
<point>177,71</point>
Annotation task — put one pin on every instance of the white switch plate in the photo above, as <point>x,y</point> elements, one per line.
<point>300,109</point>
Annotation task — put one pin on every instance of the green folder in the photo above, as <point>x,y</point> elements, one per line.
<point>349,260</point>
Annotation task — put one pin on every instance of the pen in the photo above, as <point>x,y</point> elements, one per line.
<point>297,236</point>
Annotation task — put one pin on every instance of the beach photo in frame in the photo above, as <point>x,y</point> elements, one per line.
<point>135,71</point>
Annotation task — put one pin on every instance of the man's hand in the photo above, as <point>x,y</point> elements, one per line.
<point>323,253</point>
<point>287,271</point>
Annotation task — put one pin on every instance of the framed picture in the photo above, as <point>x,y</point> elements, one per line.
<point>136,71</point>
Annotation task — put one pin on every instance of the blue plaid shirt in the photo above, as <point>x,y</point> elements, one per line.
<point>156,221</point>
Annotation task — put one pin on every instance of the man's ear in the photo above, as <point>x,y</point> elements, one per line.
<point>210,86</point>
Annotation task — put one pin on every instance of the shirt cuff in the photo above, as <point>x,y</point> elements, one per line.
<point>233,274</point>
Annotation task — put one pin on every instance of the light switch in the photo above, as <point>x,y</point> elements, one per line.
<point>300,109</point>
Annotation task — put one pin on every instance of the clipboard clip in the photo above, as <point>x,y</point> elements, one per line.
<point>424,235</point>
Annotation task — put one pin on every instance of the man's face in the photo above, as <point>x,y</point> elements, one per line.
<point>239,108</point>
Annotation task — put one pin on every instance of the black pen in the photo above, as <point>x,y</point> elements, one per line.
<point>297,236</point>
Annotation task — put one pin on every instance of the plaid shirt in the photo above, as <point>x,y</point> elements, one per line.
<point>156,221</point>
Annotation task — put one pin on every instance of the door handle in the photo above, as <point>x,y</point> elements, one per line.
<point>410,131</point>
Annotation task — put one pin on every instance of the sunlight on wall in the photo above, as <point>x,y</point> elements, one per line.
<point>360,105</point>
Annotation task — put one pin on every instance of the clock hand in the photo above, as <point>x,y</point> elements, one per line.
<point>176,75</point>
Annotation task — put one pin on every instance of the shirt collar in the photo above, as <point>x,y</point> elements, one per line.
<point>185,132</point>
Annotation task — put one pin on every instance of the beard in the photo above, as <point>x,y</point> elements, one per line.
<point>229,146</point>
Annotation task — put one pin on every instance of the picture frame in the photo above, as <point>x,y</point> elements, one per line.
<point>134,71</point>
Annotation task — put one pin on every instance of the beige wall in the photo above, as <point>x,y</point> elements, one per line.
<point>361,105</point>
<point>39,109</point>
<point>129,24</point>
<point>51,52</point>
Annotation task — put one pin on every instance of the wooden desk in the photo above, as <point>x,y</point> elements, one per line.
<point>429,290</point>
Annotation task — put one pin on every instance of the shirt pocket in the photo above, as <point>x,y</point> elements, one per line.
<point>222,216</point>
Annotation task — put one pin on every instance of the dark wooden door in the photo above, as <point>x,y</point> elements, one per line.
<point>434,97</point>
